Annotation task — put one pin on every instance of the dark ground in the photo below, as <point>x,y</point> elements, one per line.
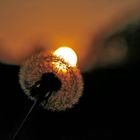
<point>109,101</point>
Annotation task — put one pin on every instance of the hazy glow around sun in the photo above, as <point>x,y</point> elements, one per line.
<point>67,54</point>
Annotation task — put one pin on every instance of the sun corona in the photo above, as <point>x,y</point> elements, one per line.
<point>67,54</point>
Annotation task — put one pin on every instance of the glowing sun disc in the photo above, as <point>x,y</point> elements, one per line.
<point>67,54</point>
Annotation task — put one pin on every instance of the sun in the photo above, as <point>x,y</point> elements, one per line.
<point>67,54</point>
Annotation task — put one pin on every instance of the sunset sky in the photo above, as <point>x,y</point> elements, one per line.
<point>54,23</point>
<point>60,20</point>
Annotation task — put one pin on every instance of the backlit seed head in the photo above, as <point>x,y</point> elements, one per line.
<point>70,77</point>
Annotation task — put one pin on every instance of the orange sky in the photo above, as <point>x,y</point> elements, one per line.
<point>62,22</point>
